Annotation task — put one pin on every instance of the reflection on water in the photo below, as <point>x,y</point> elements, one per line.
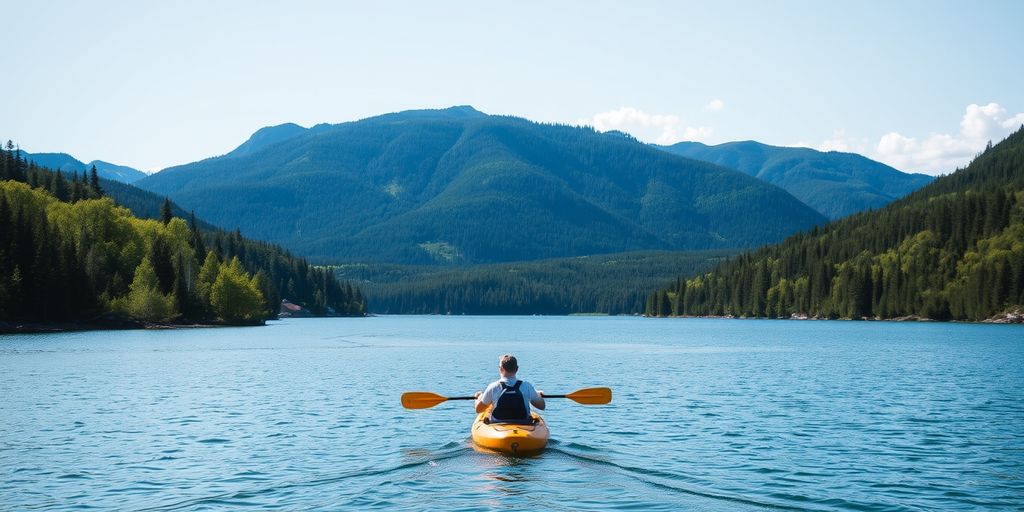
<point>708,415</point>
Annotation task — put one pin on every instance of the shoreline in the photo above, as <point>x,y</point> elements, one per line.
<point>38,328</point>
<point>132,325</point>
<point>124,324</point>
<point>1008,319</point>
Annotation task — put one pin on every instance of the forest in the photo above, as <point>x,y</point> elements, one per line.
<point>69,253</point>
<point>953,250</point>
<point>613,284</point>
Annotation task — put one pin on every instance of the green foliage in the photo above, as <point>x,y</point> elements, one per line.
<point>952,250</point>
<point>81,256</point>
<point>460,187</point>
<point>610,284</point>
<point>207,276</point>
<point>235,296</point>
<point>145,301</point>
<point>836,184</point>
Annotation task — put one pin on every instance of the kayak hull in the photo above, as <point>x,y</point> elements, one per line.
<point>511,439</point>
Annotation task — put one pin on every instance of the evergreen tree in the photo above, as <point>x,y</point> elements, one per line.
<point>94,182</point>
<point>165,212</point>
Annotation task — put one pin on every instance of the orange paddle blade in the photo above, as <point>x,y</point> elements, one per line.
<point>421,400</point>
<point>591,396</point>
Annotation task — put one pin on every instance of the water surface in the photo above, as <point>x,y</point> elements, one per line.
<point>708,415</point>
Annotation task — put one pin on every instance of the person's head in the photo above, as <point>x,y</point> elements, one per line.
<point>508,366</point>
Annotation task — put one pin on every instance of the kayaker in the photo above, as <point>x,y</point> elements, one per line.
<point>510,396</point>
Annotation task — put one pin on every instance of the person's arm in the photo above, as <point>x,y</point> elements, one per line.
<point>538,400</point>
<point>482,406</point>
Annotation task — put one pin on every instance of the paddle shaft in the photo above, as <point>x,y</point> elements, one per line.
<point>474,398</point>
<point>426,399</point>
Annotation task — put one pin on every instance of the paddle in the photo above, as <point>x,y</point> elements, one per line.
<point>426,400</point>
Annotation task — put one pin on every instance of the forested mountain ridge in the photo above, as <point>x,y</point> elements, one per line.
<point>834,183</point>
<point>612,284</point>
<point>952,250</point>
<point>460,186</point>
<point>68,253</point>
<point>68,164</point>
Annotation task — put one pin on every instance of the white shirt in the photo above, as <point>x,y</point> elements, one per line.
<point>493,391</point>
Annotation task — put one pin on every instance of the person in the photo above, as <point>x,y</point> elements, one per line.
<point>510,397</point>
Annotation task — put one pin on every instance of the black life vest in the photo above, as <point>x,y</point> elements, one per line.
<point>510,406</point>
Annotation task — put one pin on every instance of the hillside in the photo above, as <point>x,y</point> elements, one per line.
<point>68,253</point>
<point>460,186</point>
<point>833,183</point>
<point>67,164</point>
<point>952,250</point>
<point>611,284</point>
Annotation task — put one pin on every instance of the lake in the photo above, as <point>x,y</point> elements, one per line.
<point>708,414</point>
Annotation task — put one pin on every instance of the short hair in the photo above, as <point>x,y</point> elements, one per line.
<point>509,363</point>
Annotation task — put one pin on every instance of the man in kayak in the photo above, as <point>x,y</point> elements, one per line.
<point>510,396</point>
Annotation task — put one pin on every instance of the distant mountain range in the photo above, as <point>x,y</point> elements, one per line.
<point>460,186</point>
<point>836,184</point>
<point>66,163</point>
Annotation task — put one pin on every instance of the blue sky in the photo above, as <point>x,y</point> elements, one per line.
<point>919,85</point>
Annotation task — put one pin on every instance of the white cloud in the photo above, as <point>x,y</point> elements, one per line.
<point>840,141</point>
<point>943,153</point>
<point>714,105</point>
<point>698,132</point>
<point>657,128</point>
<point>938,153</point>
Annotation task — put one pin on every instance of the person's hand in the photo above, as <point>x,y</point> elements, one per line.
<point>541,393</point>
<point>477,394</point>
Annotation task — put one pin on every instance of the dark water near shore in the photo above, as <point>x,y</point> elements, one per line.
<point>708,415</point>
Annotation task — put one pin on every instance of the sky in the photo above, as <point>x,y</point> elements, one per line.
<point>920,85</point>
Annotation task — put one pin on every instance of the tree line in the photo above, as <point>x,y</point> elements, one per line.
<point>608,284</point>
<point>68,253</point>
<point>953,250</point>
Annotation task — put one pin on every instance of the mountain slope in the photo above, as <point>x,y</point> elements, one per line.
<point>457,185</point>
<point>836,184</point>
<point>69,254</point>
<point>614,284</point>
<point>67,164</point>
<point>952,250</point>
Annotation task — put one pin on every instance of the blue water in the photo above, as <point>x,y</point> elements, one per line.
<point>707,415</point>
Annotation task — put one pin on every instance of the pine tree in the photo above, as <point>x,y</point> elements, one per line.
<point>163,266</point>
<point>94,182</point>
<point>196,238</point>
<point>165,212</point>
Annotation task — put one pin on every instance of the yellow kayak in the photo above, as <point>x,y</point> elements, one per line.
<point>511,439</point>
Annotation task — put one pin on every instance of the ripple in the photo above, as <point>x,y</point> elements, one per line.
<point>822,416</point>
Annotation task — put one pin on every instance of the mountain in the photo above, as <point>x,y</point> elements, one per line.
<point>460,186</point>
<point>267,136</point>
<point>951,250</point>
<point>67,164</point>
<point>115,172</point>
<point>836,184</point>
